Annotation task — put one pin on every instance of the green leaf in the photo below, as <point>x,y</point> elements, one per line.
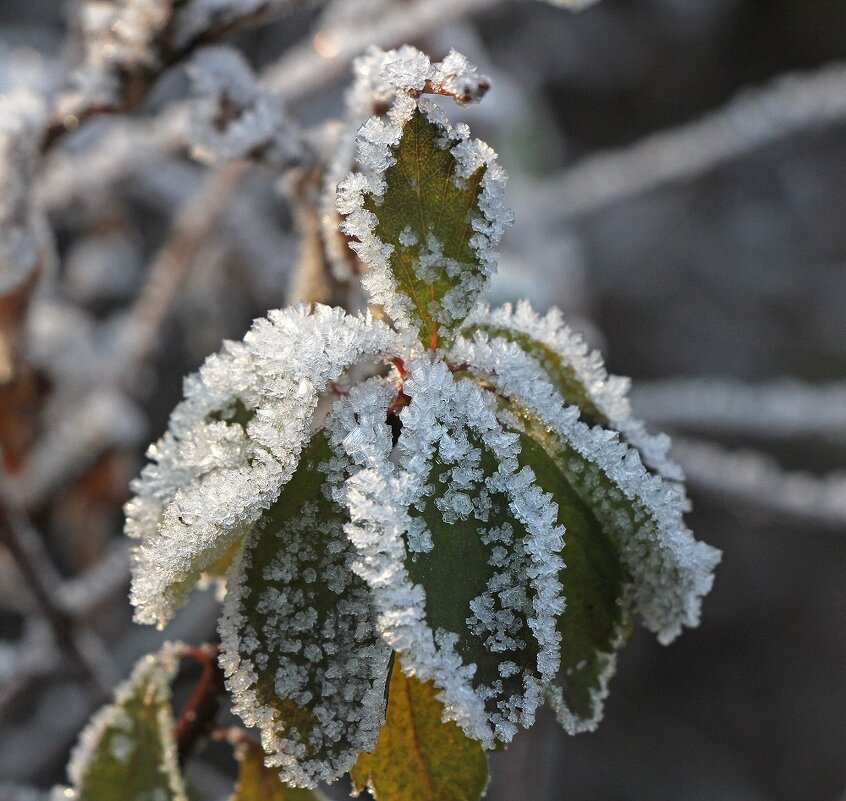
<point>426,215</point>
<point>418,756</point>
<point>576,373</point>
<point>595,620</point>
<point>459,548</point>
<point>257,782</point>
<point>128,749</point>
<point>299,644</point>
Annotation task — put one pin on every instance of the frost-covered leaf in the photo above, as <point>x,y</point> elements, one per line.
<point>419,757</point>
<point>595,620</point>
<point>668,571</point>
<point>577,373</point>
<point>128,748</point>
<point>300,648</point>
<point>458,544</point>
<point>426,212</point>
<point>233,443</point>
<point>257,782</point>
<point>379,76</point>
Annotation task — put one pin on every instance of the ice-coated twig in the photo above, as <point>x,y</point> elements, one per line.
<point>128,45</point>
<point>306,68</point>
<point>792,104</point>
<point>776,410</point>
<point>194,224</point>
<point>755,479</point>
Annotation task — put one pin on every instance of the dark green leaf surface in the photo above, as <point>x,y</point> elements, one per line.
<point>299,625</point>
<point>595,618</point>
<point>457,570</point>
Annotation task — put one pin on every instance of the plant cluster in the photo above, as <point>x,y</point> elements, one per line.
<point>427,518</point>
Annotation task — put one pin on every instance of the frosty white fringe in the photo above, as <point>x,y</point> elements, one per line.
<point>608,393</point>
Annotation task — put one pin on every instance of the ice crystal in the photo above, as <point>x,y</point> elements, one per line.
<point>579,374</point>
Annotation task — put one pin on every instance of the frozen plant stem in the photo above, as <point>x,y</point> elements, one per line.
<point>197,717</point>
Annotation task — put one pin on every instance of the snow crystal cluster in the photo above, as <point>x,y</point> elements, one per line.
<point>331,465</point>
<point>231,118</point>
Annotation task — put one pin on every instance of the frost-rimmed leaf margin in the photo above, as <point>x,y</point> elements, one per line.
<point>213,474</point>
<point>669,570</point>
<point>406,75</point>
<point>579,375</point>
<point>299,644</point>
<point>111,728</point>
<point>380,496</point>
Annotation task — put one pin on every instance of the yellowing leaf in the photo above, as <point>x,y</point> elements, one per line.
<point>256,782</point>
<point>418,756</point>
<point>426,217</point>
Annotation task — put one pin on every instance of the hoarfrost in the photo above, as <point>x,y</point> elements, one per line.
<point>607,393</point>
<point>233,443</point>
<point>669,571</point>
<point>445,429</point>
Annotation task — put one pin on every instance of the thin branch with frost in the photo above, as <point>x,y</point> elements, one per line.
<point>306,68</point>
<point>792,104</point>
<point>129,45</point>
<point>775,410</point>
<point>169,269</point>
<point>756,479</point>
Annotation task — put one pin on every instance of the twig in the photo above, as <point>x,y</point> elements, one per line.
<point>197,716</point>
<point>775,410</point>
<point>42,579</point>
<point>194,225</point>
<point>135,81</point>
<point>755,479</point>
<point>304,69</point>
<point>790,105</point>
